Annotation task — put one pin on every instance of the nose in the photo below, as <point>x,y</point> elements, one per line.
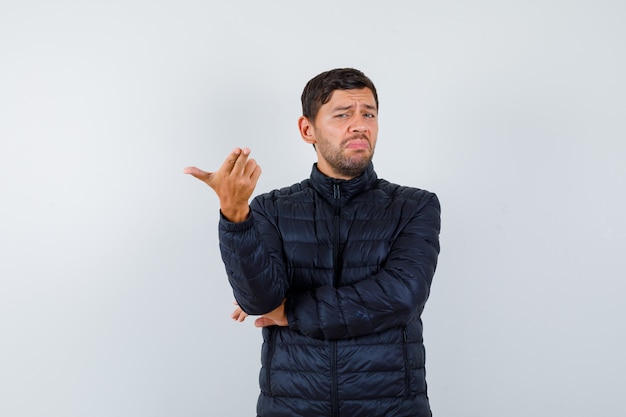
<point>358,128</point>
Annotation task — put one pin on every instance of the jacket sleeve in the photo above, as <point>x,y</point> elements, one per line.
<point>252,254</point>
<point>393,296</point>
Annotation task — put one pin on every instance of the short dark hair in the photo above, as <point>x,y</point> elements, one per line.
<point>319,89</point>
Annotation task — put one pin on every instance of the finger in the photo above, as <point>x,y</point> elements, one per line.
<point>242,161</point>
<point>256,173</point>
<point>238,314</point>
<point>230,161</point>
<point>198,173</point>
<point>192,171</point>
<point>238,317</point>
<point>263,322</point>
<point>250,167</point>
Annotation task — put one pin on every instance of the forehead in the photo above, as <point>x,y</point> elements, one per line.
<point>344,97</point>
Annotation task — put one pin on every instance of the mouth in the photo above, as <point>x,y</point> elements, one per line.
<point>358,143</point>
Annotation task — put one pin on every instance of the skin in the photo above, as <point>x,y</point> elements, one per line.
<point>344,133</point>
<point>234,183</point>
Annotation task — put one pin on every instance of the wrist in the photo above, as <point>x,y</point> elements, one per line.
<point>235,214</point>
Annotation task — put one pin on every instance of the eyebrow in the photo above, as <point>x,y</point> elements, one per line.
<point>348,107</point>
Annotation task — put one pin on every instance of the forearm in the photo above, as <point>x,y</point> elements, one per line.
<point>255,273</point>
<point>387,297</point>
<point>370,306</point>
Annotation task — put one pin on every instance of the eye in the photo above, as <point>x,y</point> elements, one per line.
<point>369,115</point>
<point>341,116</point>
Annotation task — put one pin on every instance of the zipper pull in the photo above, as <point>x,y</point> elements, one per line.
<point>336,192</point>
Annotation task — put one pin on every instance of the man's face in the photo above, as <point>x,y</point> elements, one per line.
<point>344,133</point>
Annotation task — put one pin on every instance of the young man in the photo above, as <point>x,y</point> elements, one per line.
<point>338,266</point>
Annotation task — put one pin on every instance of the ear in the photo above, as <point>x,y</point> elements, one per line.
<point>307,130</point>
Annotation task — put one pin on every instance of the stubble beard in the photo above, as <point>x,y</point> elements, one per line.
<point>347,166</point>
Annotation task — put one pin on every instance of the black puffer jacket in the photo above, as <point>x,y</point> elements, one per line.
<point>355,260</point>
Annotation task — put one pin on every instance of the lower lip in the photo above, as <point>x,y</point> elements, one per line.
<point>358,145</point>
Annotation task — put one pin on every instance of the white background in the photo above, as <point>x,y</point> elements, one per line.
<point>113,297</point>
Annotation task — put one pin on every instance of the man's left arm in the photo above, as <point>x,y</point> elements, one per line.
<point>391,297</point>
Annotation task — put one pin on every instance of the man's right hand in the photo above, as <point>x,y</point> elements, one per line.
<point>233,182</point>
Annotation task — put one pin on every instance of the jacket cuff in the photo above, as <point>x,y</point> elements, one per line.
<point>229,226</point>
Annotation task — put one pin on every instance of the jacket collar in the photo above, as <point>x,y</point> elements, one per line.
<point>327,186</point>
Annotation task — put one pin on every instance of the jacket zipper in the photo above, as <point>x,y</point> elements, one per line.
<point>334,404</point>
<point>336,237</point>
<point>268,364</point>
<point>405,352</point>
<point>336,279</point>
